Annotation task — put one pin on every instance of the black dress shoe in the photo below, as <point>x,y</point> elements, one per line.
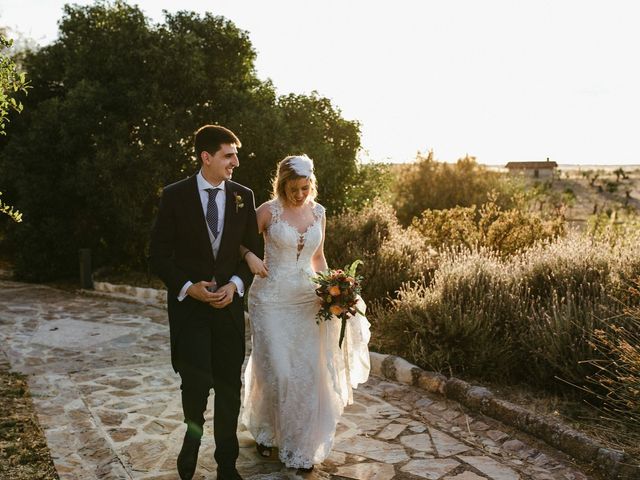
<point>228,474</point>
<point>306,470</point>
<point>188,458</point>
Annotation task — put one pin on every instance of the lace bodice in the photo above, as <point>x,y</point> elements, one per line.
<point>285,246</point>
<point>287,254</point>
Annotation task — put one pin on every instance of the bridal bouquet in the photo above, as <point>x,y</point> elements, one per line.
<point>339,291</point>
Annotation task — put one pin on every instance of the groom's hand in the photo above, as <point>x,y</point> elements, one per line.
<point>223,296</point>
<point>200,291</point>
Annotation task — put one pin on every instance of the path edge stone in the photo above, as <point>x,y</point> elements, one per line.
<point>614,464</point>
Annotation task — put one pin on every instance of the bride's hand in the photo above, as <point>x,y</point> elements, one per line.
<point>256,265</point>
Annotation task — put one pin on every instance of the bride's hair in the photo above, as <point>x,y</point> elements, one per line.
<point>294,167</point>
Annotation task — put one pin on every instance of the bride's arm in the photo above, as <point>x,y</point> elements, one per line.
<point>318,261</point>
<point>256,265</point>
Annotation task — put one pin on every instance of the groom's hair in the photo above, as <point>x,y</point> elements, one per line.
<point>209,138</point>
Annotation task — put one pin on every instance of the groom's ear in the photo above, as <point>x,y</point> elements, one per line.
<point>204,155</point>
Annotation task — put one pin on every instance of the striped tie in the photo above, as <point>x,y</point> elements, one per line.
<point>212,211</point>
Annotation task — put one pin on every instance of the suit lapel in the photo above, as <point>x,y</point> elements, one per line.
<point>200,225</point>
<point>229,216</point>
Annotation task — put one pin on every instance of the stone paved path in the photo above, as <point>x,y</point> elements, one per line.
<point>108,402</point>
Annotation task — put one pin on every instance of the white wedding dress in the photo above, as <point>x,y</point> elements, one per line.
<point>297,380</point>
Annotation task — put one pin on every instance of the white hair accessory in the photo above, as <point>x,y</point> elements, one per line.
<point>302,165</point>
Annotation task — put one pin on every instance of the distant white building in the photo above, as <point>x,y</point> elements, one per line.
<point>533,169</point>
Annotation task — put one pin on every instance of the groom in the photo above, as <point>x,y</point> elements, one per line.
<point>201,223</point>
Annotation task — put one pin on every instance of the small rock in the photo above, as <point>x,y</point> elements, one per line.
<point>497,435</point>
<point>513,445</point>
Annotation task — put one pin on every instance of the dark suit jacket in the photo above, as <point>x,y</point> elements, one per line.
<point>180,249</point>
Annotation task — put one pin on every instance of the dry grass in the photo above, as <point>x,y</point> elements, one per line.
<point>573,411</point>
<point>24,454</point>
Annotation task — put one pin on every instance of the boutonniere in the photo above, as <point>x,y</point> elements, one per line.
<point>239,202</point>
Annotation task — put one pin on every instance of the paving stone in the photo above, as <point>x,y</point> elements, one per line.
<point>336,458</point>
<point>367,471</point>
<point>368,425</point>
<point>122,434</point>
<point>159,427</point>
<point>76,334</point>
<point>497,435</point>
<point>481,426</point>
<point>423,403</point>
<point>541,460</point>
<point>446,445</point>
<point>420,442</point>
<point>513,445</point>
<point>373,449</point>
<point>574,475</point>
<point>491,468</point>
<point>465,476</point>
<point>438,407</point>
<point>110,418</point>
<point>430,469</point>
<point>450,415</point>
<point>391,431</point>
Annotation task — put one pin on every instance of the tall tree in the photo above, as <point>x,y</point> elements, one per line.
<point>12,83</point>
<point>110,120</point>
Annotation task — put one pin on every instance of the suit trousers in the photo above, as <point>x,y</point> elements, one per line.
<point>212,352</point>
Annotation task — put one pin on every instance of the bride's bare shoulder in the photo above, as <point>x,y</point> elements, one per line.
<point>317,207</point>
<point>265,211</point>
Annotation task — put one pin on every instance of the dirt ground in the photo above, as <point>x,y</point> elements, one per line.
<point>24,454</point>
<point>599,190</point>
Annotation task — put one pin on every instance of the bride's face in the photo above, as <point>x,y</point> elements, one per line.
<point>297,191</point>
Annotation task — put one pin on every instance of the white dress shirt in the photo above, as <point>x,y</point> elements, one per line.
<point>221,200</point>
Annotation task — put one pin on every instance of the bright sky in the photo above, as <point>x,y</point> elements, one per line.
<point>501,80</point>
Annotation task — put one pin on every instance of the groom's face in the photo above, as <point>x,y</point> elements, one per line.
<point>219,166</point>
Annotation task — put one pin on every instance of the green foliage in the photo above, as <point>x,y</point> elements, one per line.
<point>12,82</point>
<point>110,120</point>
<point>568,197</point>
<point>374,181</point>
<point>7,209</point>
<point>490,226</point>
<point>315,127</point>
<point>431,185</point>
<point>528,317</point>
<point>612,225</point>
<point>392,255</point>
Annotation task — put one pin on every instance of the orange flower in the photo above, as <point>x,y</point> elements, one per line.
<point>334,290</point>
<point>335,310</point>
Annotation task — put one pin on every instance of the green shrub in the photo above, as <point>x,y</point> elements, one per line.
<point>528,317</point>
<point>391,254</point>
<point>428,184</point>
<point>458,323</point>
<point>503,231</point>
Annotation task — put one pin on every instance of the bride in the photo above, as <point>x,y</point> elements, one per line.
<point>297,380</point>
